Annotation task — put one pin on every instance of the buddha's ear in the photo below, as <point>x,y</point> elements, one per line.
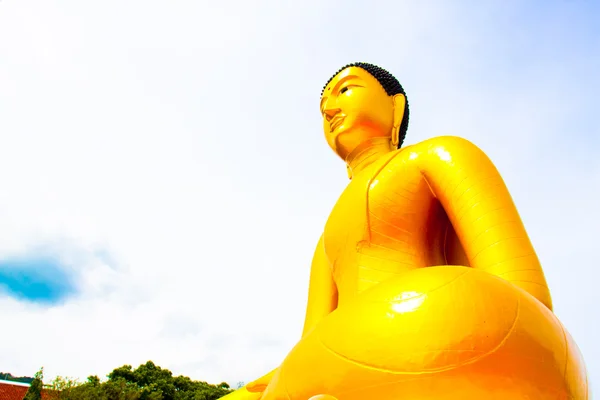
<point>399,104</point>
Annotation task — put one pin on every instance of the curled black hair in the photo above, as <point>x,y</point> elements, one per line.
<point>391,86</point>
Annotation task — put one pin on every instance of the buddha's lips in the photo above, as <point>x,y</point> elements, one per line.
<point>335,122</point>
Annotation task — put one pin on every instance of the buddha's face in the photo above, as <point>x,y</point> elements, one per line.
<point>355,108</point>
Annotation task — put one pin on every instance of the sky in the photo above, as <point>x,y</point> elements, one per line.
<point>164,177</point>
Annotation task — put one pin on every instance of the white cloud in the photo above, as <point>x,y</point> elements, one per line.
<point>184,141</point>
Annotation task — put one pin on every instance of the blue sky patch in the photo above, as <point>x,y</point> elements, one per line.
<point>38,280</point>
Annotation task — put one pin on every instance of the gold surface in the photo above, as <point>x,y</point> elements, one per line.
<point>424,284</point>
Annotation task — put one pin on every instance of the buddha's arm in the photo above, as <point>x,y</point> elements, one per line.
<point>322,291</point>
<point>480,207</point>
<point>322,300</point>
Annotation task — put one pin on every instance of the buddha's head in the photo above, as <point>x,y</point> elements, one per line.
<point>362,102</point>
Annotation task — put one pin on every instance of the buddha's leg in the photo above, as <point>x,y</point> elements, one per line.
<point>435,333</point>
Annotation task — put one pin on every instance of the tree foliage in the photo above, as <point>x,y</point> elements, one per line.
<point>35,389</point>
<point>146,382</point>
<point>7,376</point>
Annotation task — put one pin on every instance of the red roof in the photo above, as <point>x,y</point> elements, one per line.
<point>10,391</point>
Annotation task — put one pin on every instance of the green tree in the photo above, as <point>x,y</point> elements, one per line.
<point>93,380</point>
<point>9,377</point>
<point>62,388</point>
<point>35,389</point>
<point>146,382</point>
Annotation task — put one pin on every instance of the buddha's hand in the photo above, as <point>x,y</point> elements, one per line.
<point>259,385</point>
<point>274,389</point>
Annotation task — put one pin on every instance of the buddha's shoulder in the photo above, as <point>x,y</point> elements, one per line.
<point>439,146</point>
<point>409,158</point>
<point>453,143</point>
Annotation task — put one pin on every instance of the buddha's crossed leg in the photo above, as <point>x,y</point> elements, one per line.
<point>439,332</point>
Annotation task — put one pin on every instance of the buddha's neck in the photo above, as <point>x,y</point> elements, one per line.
<point>366,153</point>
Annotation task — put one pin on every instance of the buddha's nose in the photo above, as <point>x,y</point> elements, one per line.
<point>330,113</point>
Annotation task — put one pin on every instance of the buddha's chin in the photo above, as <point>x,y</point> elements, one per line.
<point>335,146</point>
<point>342,149</point>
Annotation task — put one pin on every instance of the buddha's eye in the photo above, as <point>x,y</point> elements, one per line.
<point>344,90</point>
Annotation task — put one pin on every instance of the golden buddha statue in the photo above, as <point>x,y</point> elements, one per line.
<point>424,284</point>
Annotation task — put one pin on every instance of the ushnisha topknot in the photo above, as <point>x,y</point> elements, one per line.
<point>389,83</point>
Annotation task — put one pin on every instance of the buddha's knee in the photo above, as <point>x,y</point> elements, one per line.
<point>444,328</point>
<point>430,319</point>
